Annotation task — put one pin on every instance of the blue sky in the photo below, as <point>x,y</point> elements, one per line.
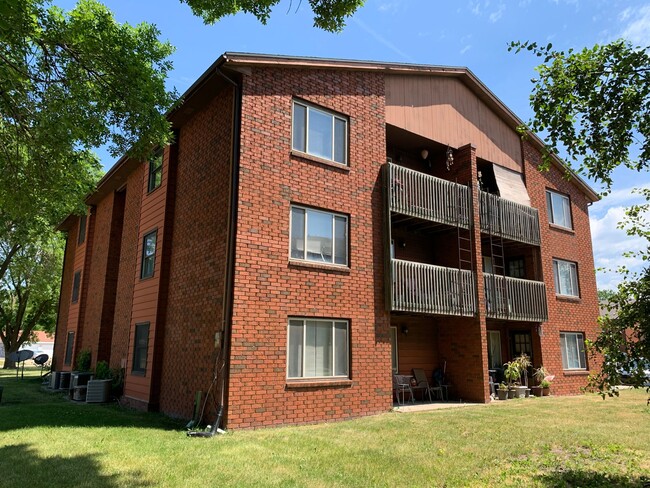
<point>472,33</point>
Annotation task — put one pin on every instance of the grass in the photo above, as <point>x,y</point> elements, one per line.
<point>547,442</point>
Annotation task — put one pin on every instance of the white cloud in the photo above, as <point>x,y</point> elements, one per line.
<point>609,244</point>
<point>465,49</point>
<point>498,13</point>
<point>379,38</point>
<point>637,31</point>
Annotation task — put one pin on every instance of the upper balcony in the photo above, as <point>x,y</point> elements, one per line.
<point>425,288</point>
<point>508,219</point>
<point>426,197</point>
<point>515,299</point>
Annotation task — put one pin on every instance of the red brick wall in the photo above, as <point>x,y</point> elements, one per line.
<point>126,273</point>
<point>269,290</point>
<point>579,315</point>
<point>198,256</point>
<point>96,276</point>
<point>65,298</point>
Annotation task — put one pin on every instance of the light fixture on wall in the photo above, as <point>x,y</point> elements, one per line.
<point>424,153</point>
<point>450,158</point>
<point>405,329</point>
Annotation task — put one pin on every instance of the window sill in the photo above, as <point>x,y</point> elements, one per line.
<point>319,383</point>
<point>566,230</point>
<point>149,192</point>
<point>576,372</point>
<point>334,268</point>
<point>568,298</point>
<point>324,162</point>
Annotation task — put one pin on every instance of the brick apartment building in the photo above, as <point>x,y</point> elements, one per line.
<point>317,224</point>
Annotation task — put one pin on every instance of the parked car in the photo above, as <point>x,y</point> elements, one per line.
<point>635,368</point>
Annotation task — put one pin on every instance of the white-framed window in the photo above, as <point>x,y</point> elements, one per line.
<point>319,132</point>
<point>318,348</point>
<point>495,360</point>
<point>573,350</point>
<point>318,236</point>
<point>559,209</point>
<point>566,278</point>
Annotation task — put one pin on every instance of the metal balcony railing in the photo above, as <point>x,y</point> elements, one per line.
<point>427,197</point>
<point>509,219</point>
<point>425,288</point>
<point>515,299</point>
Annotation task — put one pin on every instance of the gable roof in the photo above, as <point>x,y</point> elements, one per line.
<point>210,82</point>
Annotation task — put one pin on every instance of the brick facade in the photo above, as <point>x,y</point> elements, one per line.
<point>184,301</point>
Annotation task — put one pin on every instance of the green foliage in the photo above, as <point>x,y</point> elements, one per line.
<point>30,268</point>
<point>83,360</point>
<point>329,15</point>
<point>102,371</point>
<point>540,374</point>
<point>512,372</point>
<point>72,81</point>
<point>545,384</point>
<point>605,295</point>
<point>594,104</point>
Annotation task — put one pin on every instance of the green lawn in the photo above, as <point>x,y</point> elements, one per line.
<point>584,441</point>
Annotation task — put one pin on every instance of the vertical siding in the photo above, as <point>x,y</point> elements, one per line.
<point>445,110</point>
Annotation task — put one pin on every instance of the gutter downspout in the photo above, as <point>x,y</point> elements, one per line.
<point>228,300</point>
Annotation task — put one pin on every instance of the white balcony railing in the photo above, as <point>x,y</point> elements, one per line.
<point>425,288</point>
<point>427,197</point>
<point>509,219</point>
<point>515,299</point>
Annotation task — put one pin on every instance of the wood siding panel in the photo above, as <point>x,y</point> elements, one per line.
<point>448,112</point>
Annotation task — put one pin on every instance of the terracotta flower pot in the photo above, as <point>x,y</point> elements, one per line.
<point>537,391</point>
<point>546,391</point>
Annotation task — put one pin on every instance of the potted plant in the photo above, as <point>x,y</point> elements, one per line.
<point>523,362</point>
<point>502,391</point>
<point>546,387</point>
<point>541,376</point>
<point>512,374</point>
<point>99,388</point>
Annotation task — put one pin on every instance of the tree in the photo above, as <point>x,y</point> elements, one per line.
<point>594,105</point>
<point>70,82</point>
<point>29,286</point>
<point>329,15</point>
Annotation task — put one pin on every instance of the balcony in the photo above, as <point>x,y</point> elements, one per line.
<point>508,219</point>
<point>424,288</point>
<point>426,197</point>
<point>515,299</point>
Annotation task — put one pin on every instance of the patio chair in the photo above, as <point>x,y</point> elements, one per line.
<point>441,380</point>
<point>422,383</point>
<point>402,386</point>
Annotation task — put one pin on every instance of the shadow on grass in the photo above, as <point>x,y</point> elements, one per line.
<point>32,470</point>
<point>26,404</point>
<point>577,478</point>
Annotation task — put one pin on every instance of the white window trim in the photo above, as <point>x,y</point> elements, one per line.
<point>550,215</point>
<point>335,116</point>
<point>579,344</point>
<point>305,225</point>
<point>304,339</point>
<point>556,277</point>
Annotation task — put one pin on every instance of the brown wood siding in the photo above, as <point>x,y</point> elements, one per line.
<point>146,291</point>
<point>445,110</point>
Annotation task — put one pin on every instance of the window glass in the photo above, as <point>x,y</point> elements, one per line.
<point>76,284</point>
<point>566,278</point>
<point>325,235</point>
<point>299,125</point>
<point>140,348</point>
<point>319,132</point>
<point>68,349</point>
<point>82,229</point>
<point>319,137</point>
<point>148,255</point>
<point>559,209</point>
<point>494,349</point>
<point>339,140</point>
<point>317,348</point>
<point>516,268</point>
<point>573,350</point>
<point>155,170</point>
